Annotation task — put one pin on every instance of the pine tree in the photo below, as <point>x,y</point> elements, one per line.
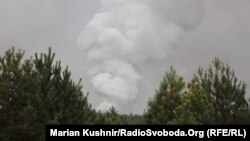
<point>225,92</point>
<point>35,92</point>
<point>108,117</point>
<point>195,107</point>
<point>162,108</point>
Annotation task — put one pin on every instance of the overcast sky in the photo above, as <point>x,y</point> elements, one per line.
<point>34,25</point>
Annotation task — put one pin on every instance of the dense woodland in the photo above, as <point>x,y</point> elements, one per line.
<point>38,91</point>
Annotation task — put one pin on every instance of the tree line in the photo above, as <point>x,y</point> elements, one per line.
<point>38,91</point>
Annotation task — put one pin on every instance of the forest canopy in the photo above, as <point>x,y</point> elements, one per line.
<point>38,91</point>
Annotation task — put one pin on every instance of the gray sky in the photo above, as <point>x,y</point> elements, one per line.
<point>34,25</point>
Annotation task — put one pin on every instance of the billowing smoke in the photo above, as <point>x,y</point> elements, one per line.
<point>126,37</point>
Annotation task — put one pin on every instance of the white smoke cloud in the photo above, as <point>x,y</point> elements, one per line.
<point>118,80</point>
<point>105,106</point>
<point>127,35</point>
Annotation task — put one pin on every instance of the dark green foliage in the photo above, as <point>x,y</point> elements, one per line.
<point>195,107</point>
<point>162,109</point>
<point>35,92</point>
<point>114,118</point>
<point>214,96</point>
<point>225,92</point>
<point>132,119</point>
<point>108,117</point>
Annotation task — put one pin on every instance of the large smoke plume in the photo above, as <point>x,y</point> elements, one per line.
<point>126,37</point>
